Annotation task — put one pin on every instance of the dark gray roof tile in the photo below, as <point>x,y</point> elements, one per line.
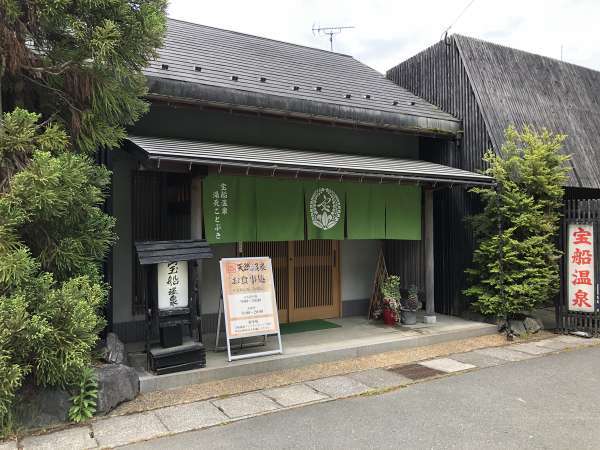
<point>223,54</point>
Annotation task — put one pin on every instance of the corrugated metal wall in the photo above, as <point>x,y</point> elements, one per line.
<point>406,259</point>
<point>437,75</point>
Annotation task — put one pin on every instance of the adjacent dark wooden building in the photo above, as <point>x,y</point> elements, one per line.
<point>490,87</point>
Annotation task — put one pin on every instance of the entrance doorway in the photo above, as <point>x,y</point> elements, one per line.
<point>307,277</point>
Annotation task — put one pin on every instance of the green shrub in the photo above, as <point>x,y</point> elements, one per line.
<point>11,378</point>
<point>65,322</point>
<point>530,172</point>
<point>13,320</point>
<point>53,235</point>
<point>84,400</point>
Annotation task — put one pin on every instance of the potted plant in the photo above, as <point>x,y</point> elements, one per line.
<point>390,290</point>
<point>409,306</point>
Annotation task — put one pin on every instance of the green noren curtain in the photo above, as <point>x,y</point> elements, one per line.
<point>272,209</point>
<point>229,208</point>
<point>402,212</point>
<point>279,210</point>
<point>325,206</point>
<point>365,213</point>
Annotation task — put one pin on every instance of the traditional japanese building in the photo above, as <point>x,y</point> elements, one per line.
<point>310,157</point>
<point>489,87</point>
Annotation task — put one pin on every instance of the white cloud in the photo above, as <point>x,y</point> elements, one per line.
<point>388,32</point>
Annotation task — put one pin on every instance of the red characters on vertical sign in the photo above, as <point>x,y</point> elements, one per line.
<point>582,236</point>
<point>580,262</point>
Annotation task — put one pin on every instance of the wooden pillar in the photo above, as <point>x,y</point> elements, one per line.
<point>196,207</point>
<point>196,233</point>
<point>429,259</point>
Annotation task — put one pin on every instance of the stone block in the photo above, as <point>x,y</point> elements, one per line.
<point>113,350</point>
<point>246,405</point>
<point>478,359</point>
<point>447,365</point>
<point>8,445</point>
<point>504,353</point>
<point>577,340</point>
<point>122,430</point>
<point>338,386</point>
<point>191,416</point>
<point>69,439</point>
<point>117,383</point>
<point>40,408</point>
<point>380,378</point>
<point>531,348</point>
<point>532,325</point>
<point>296,394</point>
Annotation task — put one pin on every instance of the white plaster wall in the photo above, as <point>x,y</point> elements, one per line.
<point>358,259</point>
<point>210,288</point>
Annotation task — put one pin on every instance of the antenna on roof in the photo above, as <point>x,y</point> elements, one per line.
<point>445,32</point>
<point>329,31</point>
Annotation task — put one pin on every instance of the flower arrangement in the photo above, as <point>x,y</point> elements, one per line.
<point>390,290</point>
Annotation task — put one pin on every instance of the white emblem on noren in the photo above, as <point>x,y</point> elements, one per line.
<point>325,208</point>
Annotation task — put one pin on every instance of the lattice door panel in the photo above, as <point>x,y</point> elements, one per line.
<point>279,254</point>
<point>315,280</point>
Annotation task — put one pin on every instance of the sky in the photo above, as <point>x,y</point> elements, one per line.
<point>388,32</point>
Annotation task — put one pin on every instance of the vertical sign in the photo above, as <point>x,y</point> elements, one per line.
<point>581,267</point>
<point>173,285</point>
<point>249,301</point>
<point>221,208</point>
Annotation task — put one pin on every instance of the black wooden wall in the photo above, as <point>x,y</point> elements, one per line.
<point>438,76</point>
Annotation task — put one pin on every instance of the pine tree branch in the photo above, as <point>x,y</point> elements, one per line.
<point>58,92</point>
<point>52,70</point>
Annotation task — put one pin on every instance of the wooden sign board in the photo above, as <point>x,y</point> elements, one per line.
<point>249,301</point>
<point>172,285</point>
<point>580,265</point>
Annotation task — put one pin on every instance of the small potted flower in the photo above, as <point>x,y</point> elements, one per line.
<point>409,306</point>
<point>390,290</point>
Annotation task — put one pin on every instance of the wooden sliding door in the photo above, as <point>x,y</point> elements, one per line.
<point>307,277</point>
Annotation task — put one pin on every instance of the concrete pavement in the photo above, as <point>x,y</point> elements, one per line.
<point>550,402</point>
<point>166,423</point>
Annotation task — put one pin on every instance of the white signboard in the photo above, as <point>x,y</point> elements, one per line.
<point>249,300</point>
<point>581,267</point>
<point>172,285</point>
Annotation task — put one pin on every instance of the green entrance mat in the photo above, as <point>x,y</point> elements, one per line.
<point>307,325</point>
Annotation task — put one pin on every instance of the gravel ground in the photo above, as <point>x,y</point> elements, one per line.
<point>231,386</point>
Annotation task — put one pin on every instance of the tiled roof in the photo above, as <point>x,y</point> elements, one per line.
<point>245,64</point>
<point>295,161</point>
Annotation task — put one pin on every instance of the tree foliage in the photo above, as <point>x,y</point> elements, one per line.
<point>78,65</point>
<point>516,269</point>
<point>53,235</point>
<point>79,62</point>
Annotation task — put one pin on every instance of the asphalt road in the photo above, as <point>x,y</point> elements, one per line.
<point>552,402</point>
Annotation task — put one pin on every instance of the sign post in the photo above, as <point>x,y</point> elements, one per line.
<point>249,301</point>
<point>580,265</point>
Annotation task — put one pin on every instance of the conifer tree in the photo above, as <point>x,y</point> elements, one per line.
<point>70,81</point>
<point>515,264</point>
<point>79,62</point>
